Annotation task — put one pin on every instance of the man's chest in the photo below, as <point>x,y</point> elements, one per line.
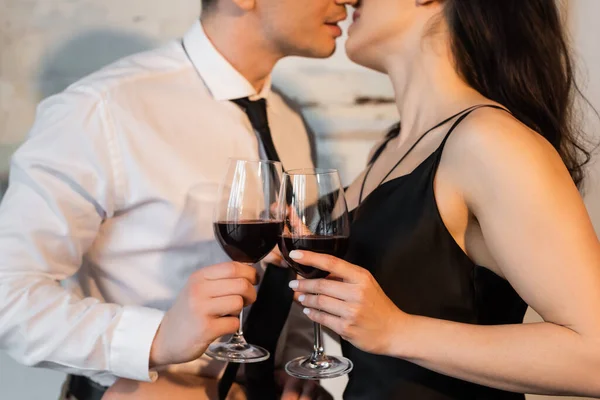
<point>170,183</point>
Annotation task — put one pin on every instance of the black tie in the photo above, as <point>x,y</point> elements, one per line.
<point>257,113</point>
<point>270,311</point>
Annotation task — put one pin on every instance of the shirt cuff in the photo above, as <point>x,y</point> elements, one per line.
<point>132,341</point>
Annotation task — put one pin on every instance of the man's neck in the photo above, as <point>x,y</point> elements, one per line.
<point>238,40</point>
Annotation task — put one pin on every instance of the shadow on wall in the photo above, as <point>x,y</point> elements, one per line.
<point>89,51</point>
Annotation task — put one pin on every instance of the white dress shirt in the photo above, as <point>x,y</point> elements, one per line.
<point>97,231</point>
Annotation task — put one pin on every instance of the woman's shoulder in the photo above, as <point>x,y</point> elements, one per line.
<point>492,150</point>
<point>494,138</point>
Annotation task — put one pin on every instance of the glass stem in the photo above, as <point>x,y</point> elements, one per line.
<point>240,331</point>
<point>238,337</point>
<point>318,355</point>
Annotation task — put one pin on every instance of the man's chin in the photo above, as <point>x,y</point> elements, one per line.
<point>319,52</point>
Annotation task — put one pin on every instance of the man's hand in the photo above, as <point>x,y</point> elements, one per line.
<point>300,389</point>
<point>206,309</point>
<point>275,258</point>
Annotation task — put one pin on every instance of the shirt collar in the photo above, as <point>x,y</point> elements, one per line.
<point>220,77</point>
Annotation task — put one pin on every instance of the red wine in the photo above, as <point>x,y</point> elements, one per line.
<point>333,245</point>
<point>247,241</point>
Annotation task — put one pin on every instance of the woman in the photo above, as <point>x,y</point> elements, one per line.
<point>457,228</point>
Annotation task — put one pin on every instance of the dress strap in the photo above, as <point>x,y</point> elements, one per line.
<point>392,134</point>
<point>465,115</point>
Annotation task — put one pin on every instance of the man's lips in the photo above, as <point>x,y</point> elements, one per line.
<point>335,29</point>
<point>333,24</point>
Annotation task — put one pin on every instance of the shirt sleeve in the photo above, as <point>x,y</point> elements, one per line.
<point>64,182</point>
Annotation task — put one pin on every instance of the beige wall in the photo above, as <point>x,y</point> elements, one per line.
<point>586,34</point>
<point>46,44</point>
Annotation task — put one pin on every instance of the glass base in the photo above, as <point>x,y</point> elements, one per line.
<point>326,367</point>
<point>242,353</point>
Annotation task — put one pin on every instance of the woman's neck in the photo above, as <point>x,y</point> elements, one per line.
<point>428,89</point>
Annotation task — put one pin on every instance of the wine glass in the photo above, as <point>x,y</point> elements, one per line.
<point>247,229</point>
<point>315,218</point>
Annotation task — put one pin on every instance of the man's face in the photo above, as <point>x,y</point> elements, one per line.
<point>307,28</point>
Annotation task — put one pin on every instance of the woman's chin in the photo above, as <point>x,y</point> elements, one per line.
<point>353,49</point>
<point>361,55</point>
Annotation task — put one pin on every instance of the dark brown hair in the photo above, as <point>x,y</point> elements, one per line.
<point>516,53</point>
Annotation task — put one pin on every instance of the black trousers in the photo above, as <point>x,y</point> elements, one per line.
<point>82,388</point>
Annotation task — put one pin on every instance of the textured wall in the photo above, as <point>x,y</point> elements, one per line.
<point>47,44</point>
<point>586,32</point>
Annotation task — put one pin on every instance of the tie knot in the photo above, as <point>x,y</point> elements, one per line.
<point>257,114</point>
<point>256,111</point>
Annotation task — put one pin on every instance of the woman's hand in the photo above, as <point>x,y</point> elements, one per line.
<point>350,302</point>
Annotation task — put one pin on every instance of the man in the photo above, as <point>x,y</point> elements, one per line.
<point>108,265</point>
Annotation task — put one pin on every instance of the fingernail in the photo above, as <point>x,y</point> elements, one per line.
<point>306,311</point>
<point>301,298</point>
<point>296,255</point>
<point>294,284</point>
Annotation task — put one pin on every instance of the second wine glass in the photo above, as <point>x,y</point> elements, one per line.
<point>247,228</point>
<point>315,218</point>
